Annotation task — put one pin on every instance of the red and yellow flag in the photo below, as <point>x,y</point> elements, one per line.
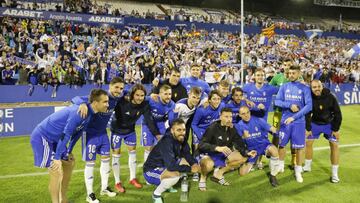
<point>269,31</point>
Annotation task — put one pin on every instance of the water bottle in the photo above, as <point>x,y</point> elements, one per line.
<point>184,189</point>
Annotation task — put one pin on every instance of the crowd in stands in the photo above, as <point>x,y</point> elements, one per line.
<point>53,53</point>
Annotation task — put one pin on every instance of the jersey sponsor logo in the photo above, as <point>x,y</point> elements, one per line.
<point>293,97</point>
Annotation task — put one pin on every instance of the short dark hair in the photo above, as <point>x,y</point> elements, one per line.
<point>294,67</point>
<point>117,80</point>
<point>177,121</point>
<point>214,92</point>
<point>135,88</point>
<point>287,60</point>
<point>195,90</point>
<point>95,94</point>
<point>226,109</point>
<point>164,88</point>
<point>236,89</point>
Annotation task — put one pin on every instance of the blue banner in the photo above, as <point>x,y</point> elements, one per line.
<point>47,15</point>
<point>21,121</point>
<point>120,22</point>
<point>346,94</point>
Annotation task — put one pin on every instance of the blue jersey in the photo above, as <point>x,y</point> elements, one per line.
<point>190,82</point>
<point>160,110</point>
<point>99,121</point>
<point>260,96</point>
<point>203,117</point>
<point>258,129</point>
<point>235,109</point>
<point>64,126</point>
<point>294,93</point>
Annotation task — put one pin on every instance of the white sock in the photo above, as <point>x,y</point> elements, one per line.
<point>89,177</point>
<point>281,164</point>
<point>104,173</point>
<point>132,164</point>
<point>146,154</point>
<point>298,170</point>
<point>274,165</point>
<point>308,162</point>
<point>116,167</point>
<point>166,184</point>
<point>335,170</point>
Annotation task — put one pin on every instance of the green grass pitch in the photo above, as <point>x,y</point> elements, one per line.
<point>20,181</point>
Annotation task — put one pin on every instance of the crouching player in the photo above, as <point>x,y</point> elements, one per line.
<point>254,131</point>
<point>170,157</point>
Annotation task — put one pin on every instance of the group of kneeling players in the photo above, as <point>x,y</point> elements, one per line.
<point>229,131</point>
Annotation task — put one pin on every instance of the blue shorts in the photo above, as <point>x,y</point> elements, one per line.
<point>154,176</point>
<point>316,130</point>
<point>129,139</point>
<point>147,138</point>
<point>218,158</point>
<point>260,150</point>
<point>95,144</point>
<point>197,138</point>
<point>44,150</point>
<point>295,132</point>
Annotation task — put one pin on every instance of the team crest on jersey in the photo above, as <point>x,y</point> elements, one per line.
<point>264,93</point>
<point>287,91</point>
<point>91,156</point>
<point>321,107</point>
<point>299,91</point>
<point>175,94</point>
<point>256,128</point>
<point>137,113</point>
<point>251,92</point>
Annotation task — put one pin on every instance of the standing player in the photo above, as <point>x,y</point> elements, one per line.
<point>192,81</point>
<point>261,94</point>
<point>170,157</point>
<point>178,91</point>
<point>96,140</point>
<point>50,138</point>
<point>203,117</point>
<point>159,110</point>
<point>235,103</point>
<point>325,118</point>
<point>254,131</point>
<point>295,100</point>
<point>278,80</point>
<point>185,109</point>
<point>127,112</point>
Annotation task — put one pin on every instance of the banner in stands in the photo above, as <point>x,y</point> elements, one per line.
<point>21,121</point>
<point>122,21</point>
<point>47,15</point>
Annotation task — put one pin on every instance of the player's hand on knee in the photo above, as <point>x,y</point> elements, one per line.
<point>308,133</point>
<point>56,165</point>
<point>225,150</point>
<point>83,110</point>
<point>336,134</point>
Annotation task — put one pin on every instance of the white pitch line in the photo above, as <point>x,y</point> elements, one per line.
<point>141,165</point>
